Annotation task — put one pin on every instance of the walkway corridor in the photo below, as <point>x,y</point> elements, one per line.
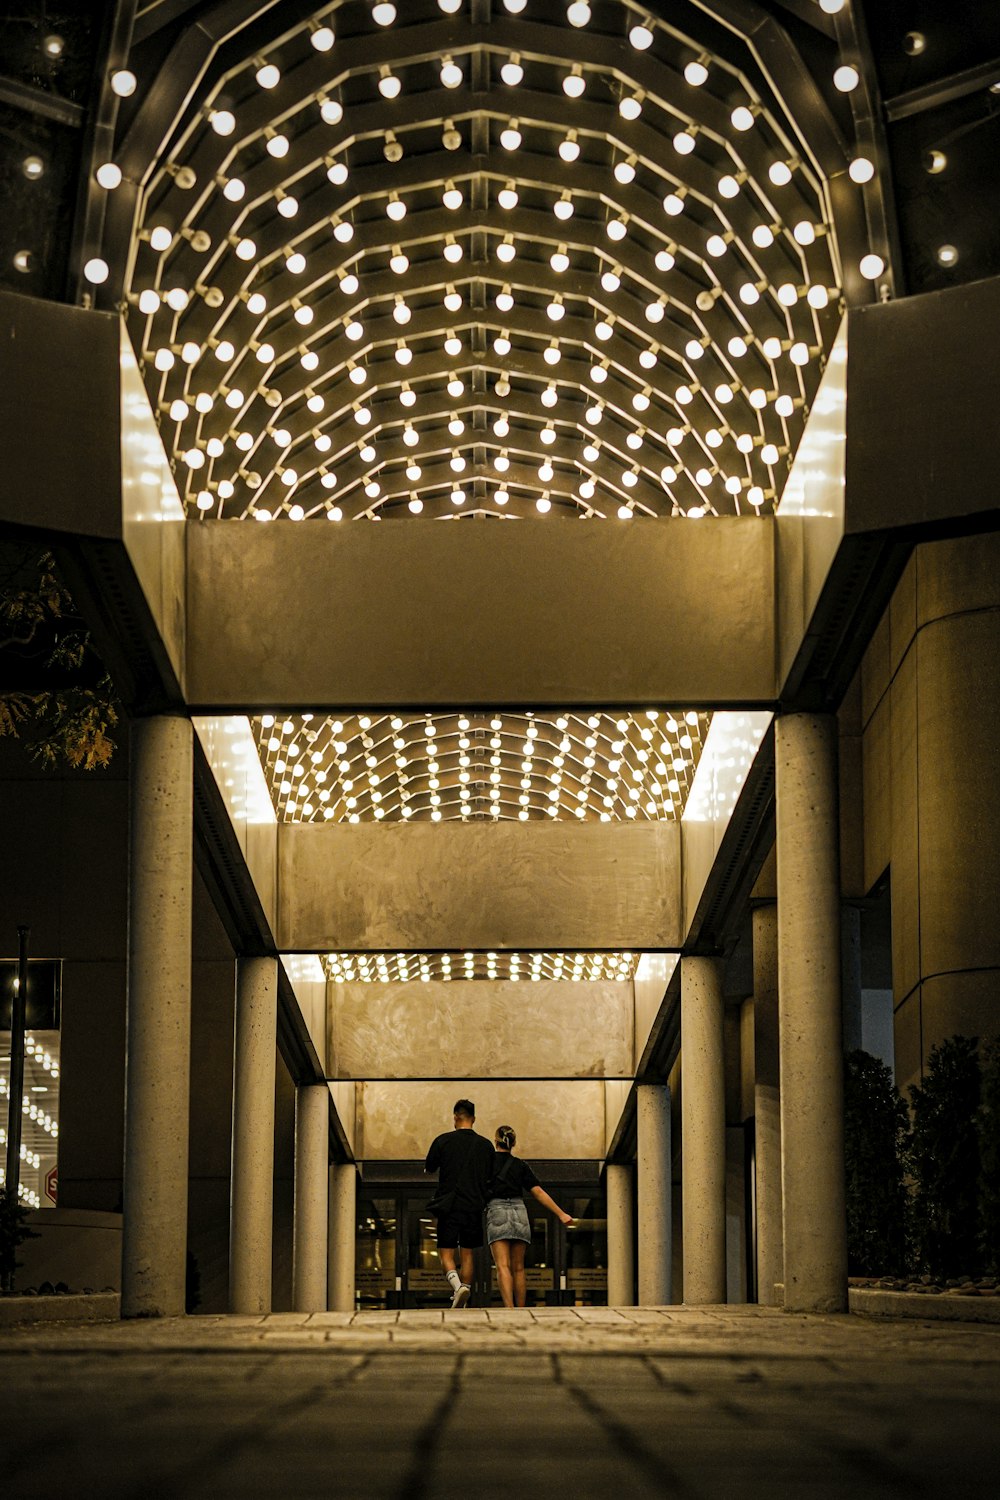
<point>718,1404</point>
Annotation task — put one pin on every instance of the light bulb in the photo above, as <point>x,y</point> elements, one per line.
<point>641,37</point>
<point>696,73</point>
<point>684,143</point>
<point>507,197</point>
<point>96,271</point>
<point>664,260</point>
<point>569,149</point>
<point>846,78</point>
<point>742,118</point>
<point>277,146</point>
<point>673,204</point>
<point>861,169</point>
<point>512,72</point>
<point>108,175</point>
<point>451,74</point>
<point>268,75</point>
<point>630,107</point>
<point>871,266</point>
<point>625,172</point>
<point>124,83</point>
<point>510,137</point>
<point>617,229</point>
<point>343,231</point>
<point>395,209</point>
<point>149,302</point>
<point>804,233</point>
<point>323,38</point>
<point>452,197</point>
<point>574,84</point>
<point>578,14</point>
<point>383,14</point>
<point>337,173</point>
<point>331,111</point>
<point>389,85</point>
<point>453,301</point>
<point>818,297</point>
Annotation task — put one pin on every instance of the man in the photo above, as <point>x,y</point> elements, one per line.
<point>463,1161</point>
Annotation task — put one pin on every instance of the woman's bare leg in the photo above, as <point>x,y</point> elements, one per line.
<point>501,1259</point>
<point>517,1249</point>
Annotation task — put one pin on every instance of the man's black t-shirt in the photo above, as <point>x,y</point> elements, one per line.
<point>463,1161</point>
<point>512,1177</point>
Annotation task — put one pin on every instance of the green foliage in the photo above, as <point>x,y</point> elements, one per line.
<point>13,1232</point>
<point>72,720</point>
<point>988,1126</point>
<point>875,1135</point>
<point>943,1160</point>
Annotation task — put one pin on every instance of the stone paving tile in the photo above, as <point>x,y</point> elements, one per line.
<point>694,1403</point>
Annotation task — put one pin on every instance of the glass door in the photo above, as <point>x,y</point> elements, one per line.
<point>376,1251</point>
<point>585,1277</point>
<point>424,1280</point>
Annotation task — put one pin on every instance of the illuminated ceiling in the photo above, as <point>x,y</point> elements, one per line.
<point>486,257</point>
<point>395,968</point>
<point>434,767</point>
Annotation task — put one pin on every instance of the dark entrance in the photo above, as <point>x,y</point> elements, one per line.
<point>397,1263</point>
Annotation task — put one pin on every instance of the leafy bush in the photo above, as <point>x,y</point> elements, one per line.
<point>13,1231</point>
<point>943,1160</point>
<point>875,1135</point>
<point>988,1123</point>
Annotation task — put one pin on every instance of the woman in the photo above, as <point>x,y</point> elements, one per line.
<point>508,1232</point>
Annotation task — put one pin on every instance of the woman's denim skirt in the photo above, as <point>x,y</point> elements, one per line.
<point>507,1219</point>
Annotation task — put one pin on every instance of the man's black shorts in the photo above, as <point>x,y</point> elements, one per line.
<point>462,1227</point>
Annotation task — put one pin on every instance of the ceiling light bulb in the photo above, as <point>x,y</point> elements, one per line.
<point>780,173</point>
<point>234,190</point>
<point>655,312</point>
<point>742,117</point>
<point>512,72</point>
<point>108,175</point>
<point>452,197</point>
<point>450,7</point>
<point>395,208</point>
<point>861,169</point>
<point>555,310</point>
<point>415,506</point>
<point>804,233</point>
<point>578,14</point>
<point>630,107</point>
<point>696,73</point>
<point>288,206</point>
<point>871,266</point>
<point>451,74</point>
<point>506,250</point>
<point>343,231</point>
<point>832,7</point>
<point>507,197</point>
<point>337,173</point>
<point>673,204</point>
<point>160,238</point>
<point>510,137</point>
<point>458,497</point>
<point>846,78</point>
<point>123,83</point>
<point>322,38</point>
<point>383,14</point>
<point>617,229</point>
<point>399,263</point>
<point>453,301</point>
<point>149,302</point>
<point>664,260</point>
<point>222,121</point>
<point>716,245</point>
<point>762,236</point>
<point>514,7</point>
<point>574,84</point>
<point>684,142</point>
<point>331,111</point>
<point>504,300</point>
<point>268,75</point>
<point>603,331</point>
<point>569,149</point>
<point>453,346</point>
<point>277,146</point>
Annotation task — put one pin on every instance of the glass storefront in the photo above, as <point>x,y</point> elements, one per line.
<point>398,1265</point>
<point>39,1117</point>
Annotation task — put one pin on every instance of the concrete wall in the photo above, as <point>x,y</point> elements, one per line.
<point>564,1119</point>
<point>454,886</point>
<point>930,703</point>
<point>543,1029</point>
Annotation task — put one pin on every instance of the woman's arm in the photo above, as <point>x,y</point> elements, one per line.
<point>550,1203</point>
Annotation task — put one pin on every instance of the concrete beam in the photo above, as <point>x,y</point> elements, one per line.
<point>537,614</point>
<point>456,886</point>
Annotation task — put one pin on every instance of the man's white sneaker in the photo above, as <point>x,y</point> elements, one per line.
<point>462,1296</point>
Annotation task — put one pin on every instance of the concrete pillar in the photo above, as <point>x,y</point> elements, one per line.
<point>653,1199</point>
<point>767,1104</point>
<point>158,1019</point>
<point>703,1131</point>
<point>252,1198</point>
<point>809,1000</point>
<point>312,1159</point>
<point>621,1236</point>
<point>342,1236</point>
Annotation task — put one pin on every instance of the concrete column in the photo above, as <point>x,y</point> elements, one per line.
<point>767,1104</point>
<point>621,1236</point>
<point>809,1000</point>
<point>252,1198</point>
<point>312,1159</point>
<point>703,1131</point>
<point>158,1019</point>
<point>653,1197</point>
<point>342,1237</point>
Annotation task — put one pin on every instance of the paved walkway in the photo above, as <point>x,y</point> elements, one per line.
<point>703,1404</point>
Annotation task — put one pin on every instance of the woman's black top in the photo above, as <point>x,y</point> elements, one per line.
<point>512,1177</point>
